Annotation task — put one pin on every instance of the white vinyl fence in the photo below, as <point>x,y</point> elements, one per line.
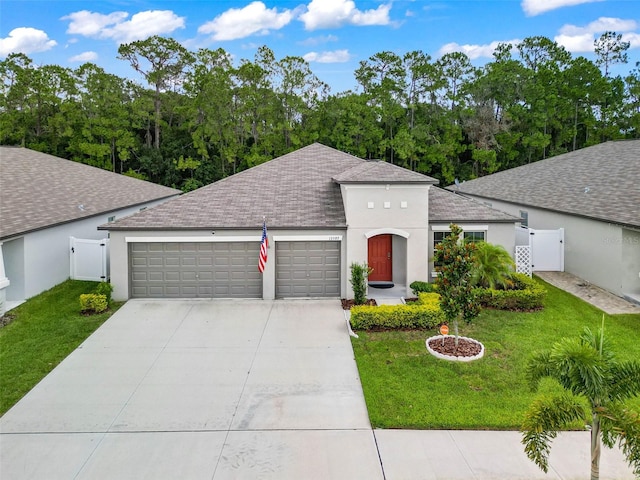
<point>539,250</point>
<point>89,259</point>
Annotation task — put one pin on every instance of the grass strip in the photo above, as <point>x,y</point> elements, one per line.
<point>44,330</point>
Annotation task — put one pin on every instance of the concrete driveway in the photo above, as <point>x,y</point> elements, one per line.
<point>199,389</point>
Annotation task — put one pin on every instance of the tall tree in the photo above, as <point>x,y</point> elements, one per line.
<point>162,62</point>
<point>610,50</point>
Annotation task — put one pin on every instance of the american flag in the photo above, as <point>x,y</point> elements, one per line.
<point>264,244</point>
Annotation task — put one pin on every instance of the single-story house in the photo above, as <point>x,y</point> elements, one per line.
<point>45,200</point>
<point>324,210</point>
<point>593,194</point>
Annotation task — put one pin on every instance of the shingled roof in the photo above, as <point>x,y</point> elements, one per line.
<point>381,172</point>
<point>38,190</point>
<point>296,190</point>
<point>600,182</point>
<point>445,206</point>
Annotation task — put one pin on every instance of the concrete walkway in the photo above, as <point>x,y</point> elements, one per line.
<point>241,390</point>
<point>605,301</point>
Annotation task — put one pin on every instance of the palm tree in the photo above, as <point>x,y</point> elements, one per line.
<point>587,370</point>
<point>493,266</point>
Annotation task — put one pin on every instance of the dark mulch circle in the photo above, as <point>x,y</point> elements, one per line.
<point>348,303</point>
<point>465,348</point>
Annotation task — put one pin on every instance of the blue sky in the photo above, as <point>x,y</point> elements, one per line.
<point>333,35</point>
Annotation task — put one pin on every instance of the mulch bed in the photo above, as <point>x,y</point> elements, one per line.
<point>465,347</point>
<point>348,303</point>
<point>6,319</point>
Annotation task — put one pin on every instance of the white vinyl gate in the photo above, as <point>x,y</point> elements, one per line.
<point>546,250</point>
<point>89,259</point>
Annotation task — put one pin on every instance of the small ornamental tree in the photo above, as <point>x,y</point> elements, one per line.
<point>454,264</point>
<point>359,275</point>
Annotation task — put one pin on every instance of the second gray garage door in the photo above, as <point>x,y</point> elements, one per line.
<point>195,270</point>
<point>307,269</point>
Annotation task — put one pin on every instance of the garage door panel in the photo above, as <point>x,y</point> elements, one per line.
<point>194,269</point>
<point>308,269</point>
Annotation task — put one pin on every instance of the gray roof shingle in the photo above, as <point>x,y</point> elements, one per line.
<point>38,190</point>
<point>298,190</point>
<point>445,206</point>
<point>291,191</point>
<point>600,182</point>
<point>381,172</point>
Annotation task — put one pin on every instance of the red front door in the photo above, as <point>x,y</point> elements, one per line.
<point>380,259</point>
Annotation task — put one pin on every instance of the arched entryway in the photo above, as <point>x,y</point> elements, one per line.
<point>387,256</point>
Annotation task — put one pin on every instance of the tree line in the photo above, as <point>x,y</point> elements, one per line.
<point>198,118</point>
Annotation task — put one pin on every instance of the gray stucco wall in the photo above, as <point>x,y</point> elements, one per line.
<point>497,233</point>
<point>400,210</point>
<point>598,252</point>
<point>39,260</point>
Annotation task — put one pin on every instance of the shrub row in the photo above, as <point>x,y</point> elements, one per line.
<point>526,294</point>
<point>423,314</point>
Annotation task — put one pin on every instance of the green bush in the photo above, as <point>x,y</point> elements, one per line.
<point>423,314</point>
<point>526,294</point>
<point>419,286</point>
<point>104,288</point>
<point>93,303</point>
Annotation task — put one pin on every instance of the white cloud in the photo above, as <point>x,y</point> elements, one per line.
<point>84,57</point>
<point>26,40</point>
<point>91,24</point>
<point>580,39</point>
<point>474,51</point>
<point>336,56</point>
<point>576,43</point>
<point>633,39</point>
<point>309,42</point>
<point>536,7</point>
<point>255,18</point>
<point>142,25</point>
<point>603,24</point>
<point>335,13</point>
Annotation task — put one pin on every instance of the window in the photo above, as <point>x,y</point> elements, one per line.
<point>111,219</point>
<point>438,237</point>
<point>473,237</point>
<point>524,218</point>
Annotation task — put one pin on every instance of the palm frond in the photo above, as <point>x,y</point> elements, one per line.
<point>545,417</point>
<point>538,367</point>
<point>579,368</point>
<point>624,380</point>
<point>621,425</point>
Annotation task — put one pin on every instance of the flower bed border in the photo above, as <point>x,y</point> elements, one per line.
<point>451,358</point>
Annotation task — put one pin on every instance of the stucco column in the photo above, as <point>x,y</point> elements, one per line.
<point>4,283</point>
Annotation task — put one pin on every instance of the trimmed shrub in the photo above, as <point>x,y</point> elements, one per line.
<point>93,303</point>
<point>526,294</point>
<point>424,314</point>
<point>419,286</point>
<point>359,275</point>
<point>104,288</point>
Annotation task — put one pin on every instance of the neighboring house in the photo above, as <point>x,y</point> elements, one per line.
<point>593,194</point>
<point>324,210</point>
<point>44,200</point>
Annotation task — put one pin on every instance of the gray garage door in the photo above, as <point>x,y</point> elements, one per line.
<point>195,270</point>
<point>307,269</point>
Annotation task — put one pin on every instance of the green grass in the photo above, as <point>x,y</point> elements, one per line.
<point>46,329</point>
<point>406,387</point>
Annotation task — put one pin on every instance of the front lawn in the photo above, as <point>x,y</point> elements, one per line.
<point>406,387</point>
<point>44,330</point>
